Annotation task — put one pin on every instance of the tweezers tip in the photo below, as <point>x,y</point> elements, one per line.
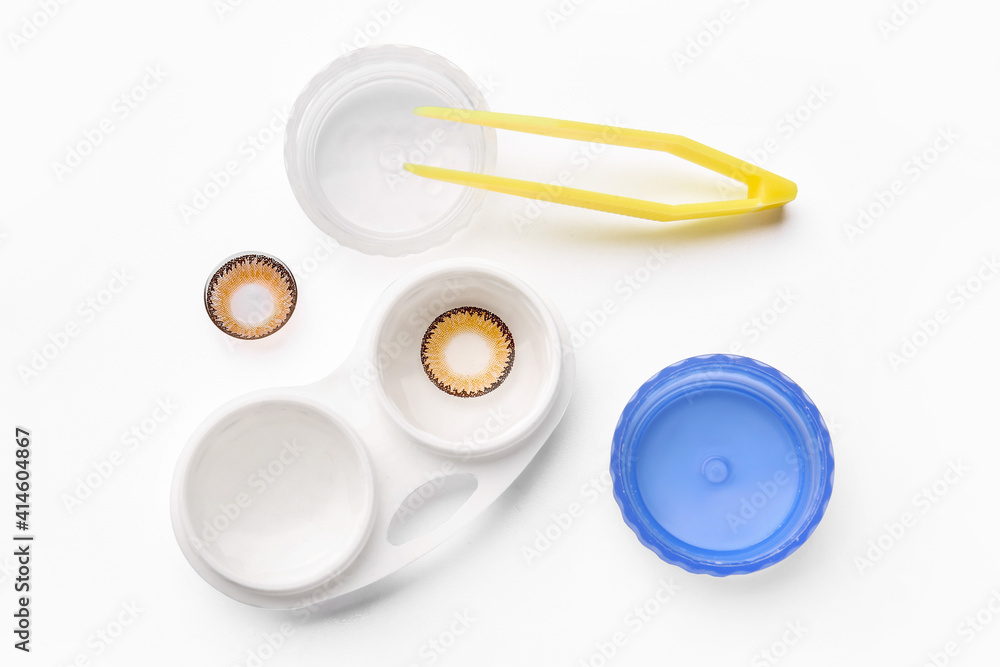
<point>431,112</point>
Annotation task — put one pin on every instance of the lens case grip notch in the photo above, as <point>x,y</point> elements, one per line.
<point>284,498</point>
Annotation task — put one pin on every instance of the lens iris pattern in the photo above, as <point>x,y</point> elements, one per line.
<point>443,330</point>
<point>251,269</point>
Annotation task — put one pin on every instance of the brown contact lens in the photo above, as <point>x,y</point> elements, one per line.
<point>479,370</point>
<point>251,296</point>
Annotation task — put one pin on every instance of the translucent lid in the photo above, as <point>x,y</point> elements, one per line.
<point>721,465</point>
<point>352,128</point>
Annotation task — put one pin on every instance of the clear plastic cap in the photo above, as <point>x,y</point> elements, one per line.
<point>351,130</point>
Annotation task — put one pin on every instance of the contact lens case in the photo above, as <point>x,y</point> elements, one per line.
<point>291,497</point>
<point>722,465</point>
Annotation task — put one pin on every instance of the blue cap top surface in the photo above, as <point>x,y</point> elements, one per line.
<point>721,465</point>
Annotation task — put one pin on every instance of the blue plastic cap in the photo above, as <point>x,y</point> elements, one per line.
<point>722,465</point>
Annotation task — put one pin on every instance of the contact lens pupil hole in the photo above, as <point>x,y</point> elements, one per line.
<point>468,353</point>
<point>252,303</point>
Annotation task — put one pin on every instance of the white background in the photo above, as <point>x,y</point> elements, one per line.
<point>887,94</point>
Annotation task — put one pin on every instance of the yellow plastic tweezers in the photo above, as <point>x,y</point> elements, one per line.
<point>764,189</point>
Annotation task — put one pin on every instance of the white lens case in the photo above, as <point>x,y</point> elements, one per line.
<point>290,497</point>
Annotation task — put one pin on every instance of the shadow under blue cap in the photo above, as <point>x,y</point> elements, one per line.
<point>721,465</point>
